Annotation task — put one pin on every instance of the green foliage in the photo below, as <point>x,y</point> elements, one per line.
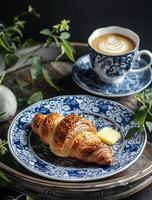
<point>3,179</point>
<point>37,96</point>
<point>22,101</point>
<point>33,11</point>
<point>2,113</point>
<point>38,72</point>
<point>62,26</point>
<point>20,197</point>
<point>25,101</point>
<point>11,36</point>
<point>67,49</point>
<point>17,87</point>
<point>46,32</point>
<point>10,59</point>
<point>149,125</point>
<point>11,41</point>
<point>28,197</point>
<point>143,116</point>
<point>2,78</point>
<point>36,68</point>
<point>59,36</point>
<point>3,148</point>
<point>65,35</point>
<point>29,42</point>
<point>48,79</point>
<point>132,132</point>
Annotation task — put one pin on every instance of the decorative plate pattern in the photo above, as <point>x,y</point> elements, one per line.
<point>29,152</point>
<point>86,78</point>
<point>111,66</point>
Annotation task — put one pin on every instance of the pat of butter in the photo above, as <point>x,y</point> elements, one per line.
<point>108,135</point>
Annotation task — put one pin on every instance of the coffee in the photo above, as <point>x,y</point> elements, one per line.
<point>113,44</point>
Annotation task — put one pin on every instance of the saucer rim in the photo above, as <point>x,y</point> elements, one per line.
<point>104,94</point>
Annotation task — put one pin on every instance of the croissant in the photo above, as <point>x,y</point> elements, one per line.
<point>71,136</point>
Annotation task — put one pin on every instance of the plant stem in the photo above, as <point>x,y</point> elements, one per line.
<point>2,78</point>
<point>19,197</point>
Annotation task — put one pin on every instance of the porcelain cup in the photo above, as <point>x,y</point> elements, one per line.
<point>113,68</point>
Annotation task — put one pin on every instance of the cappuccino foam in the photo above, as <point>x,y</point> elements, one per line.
<point>113,44</point>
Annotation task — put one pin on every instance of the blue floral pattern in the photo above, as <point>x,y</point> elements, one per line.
<point>134,82</point>
<point>111,66</point>
<point>36,157</point>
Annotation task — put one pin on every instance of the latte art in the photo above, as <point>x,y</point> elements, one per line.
<point>113,44</point>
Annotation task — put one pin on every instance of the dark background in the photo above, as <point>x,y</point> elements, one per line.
<point>85,16</point>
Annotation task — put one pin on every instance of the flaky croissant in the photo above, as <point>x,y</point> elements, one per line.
<point>71,136</point>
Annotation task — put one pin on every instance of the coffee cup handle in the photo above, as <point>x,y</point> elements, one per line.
<point>137,58</point>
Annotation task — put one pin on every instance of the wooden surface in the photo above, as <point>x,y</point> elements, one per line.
<point>61,73</point>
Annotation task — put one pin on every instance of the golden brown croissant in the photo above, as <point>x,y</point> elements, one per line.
<point>72,136</point>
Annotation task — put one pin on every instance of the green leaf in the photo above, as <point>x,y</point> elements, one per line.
<point>144,112</point>
<point>65,35</point>
<point>56,41</point>
<point>3,148</point>
<point>149,105</point>
<point>48,79</point>
<point>62,26</point>
<point>37,96</point>
<point>2,78</point>
<point>17,87</point>
<point>16,29</point>
<point>132,132</point>
<point>17,40</point>
<point>10,60</point>
<point>61,54</point>
<point>149,125</point>
<point>140,117</point>
<point>28,197</point>
<point>140,97</point>
<point>3,179</point>
<point>148,95</point>
<point>19,24</point>
<point>33,11</point>
<point>6,41</point>
<point>46,32</point>
<point>68,50</point>
<point>22,101</point>
<point>36,67</point>
<point>143,107</point>
<point>59,36</point>
<point>4,45</point>
<point>30,8</point>
<point>29,42</point>
<point>2,113</point>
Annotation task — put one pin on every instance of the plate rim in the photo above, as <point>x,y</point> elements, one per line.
<point>104,94</point>
<point>71,180</point>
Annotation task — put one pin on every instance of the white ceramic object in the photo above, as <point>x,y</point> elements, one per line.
<point>8,103</point>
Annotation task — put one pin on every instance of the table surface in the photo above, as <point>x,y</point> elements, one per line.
<point>146,194</point>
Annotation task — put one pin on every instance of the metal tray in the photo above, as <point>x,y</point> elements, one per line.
<point>122,185</point>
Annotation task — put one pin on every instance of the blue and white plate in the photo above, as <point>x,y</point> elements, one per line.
<point>36,157</point>
<point>86,78</point>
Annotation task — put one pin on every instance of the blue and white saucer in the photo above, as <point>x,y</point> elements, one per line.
<point>36,157</point>
<point>86,78</point>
